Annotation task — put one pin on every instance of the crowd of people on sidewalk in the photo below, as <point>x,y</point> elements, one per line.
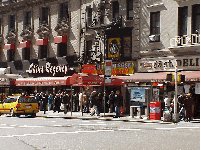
<point>91,102</point>
<point>184,106</point>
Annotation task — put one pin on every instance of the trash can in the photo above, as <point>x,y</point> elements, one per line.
<point>155,111</point>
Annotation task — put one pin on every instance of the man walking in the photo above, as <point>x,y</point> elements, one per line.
<point>65,101</point>
<point>45,100</point>
<point>118,103</point>
<point>111,102</point>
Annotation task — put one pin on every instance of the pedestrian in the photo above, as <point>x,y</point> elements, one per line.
<point>45,100</point>
<point>96,103</point>
<point>80,101</point>
<point>65,101</point>
<point>188,107</point>
<point>57,103</point>
<point>118,103</point>
<point>111,102</point>
<point>41,101</point>
<point>75,102</point>
<point>50,100</point>
<point>167,101</point>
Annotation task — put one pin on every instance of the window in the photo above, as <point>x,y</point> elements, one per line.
<point>102,9</point>
<point>182,20</point>
<point>42,51</point>
<point>64,11</point>
<point>196,19</point>
<point>62,48</point>
<point>26,53</point>
<point>155,26</point>
<point>115,9</point>
<point>129,9</point>
<point>44,15</point>
<point>89,16</point>
<point>27,18</point>
<point>12,23</point>
<point>10,55</point>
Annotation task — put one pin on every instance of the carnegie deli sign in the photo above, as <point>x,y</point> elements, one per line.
<point>118,68</point>
<point>184,63</point>
<point>48,68</point>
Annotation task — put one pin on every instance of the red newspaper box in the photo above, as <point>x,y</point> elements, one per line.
<point>155,111</point>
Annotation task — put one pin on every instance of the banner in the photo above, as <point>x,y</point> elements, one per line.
<point>113,47</point>
<point>138,95</point>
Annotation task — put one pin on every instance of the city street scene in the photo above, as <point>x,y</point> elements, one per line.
<point>100,74</point>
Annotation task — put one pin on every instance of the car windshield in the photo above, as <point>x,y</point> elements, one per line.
<point>27,100</point>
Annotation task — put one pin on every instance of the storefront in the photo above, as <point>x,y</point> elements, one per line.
<point>42,84</point>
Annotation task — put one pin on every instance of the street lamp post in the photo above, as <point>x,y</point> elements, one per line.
<point>175,99</point>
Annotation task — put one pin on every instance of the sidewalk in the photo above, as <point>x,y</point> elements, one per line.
<point>108,117</point>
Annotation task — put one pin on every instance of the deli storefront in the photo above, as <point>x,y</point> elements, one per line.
<point>155,72</point>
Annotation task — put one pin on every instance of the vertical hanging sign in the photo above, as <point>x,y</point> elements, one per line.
<point>108,70</point>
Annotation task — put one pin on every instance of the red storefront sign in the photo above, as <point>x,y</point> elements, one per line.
<point>41,42</point>
<point>60,39</point>
<point>42,81</point>
<point>89,69</point>
<point>24,44</point>
<point>9,46</point>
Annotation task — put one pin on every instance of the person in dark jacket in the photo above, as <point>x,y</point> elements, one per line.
<point>188,107</point>
<point>45,100</point>
<point>118,103</point>
<point>57,103</point>
<point>65,101</point>
<point>111,102</point>
<point>96,103</point>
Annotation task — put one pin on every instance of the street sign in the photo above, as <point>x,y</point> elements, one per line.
<point>108,79</point>
<point>108,67</point>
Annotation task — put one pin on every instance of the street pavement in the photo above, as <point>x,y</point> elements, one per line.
<point>106,116</point>
<point>55,132</point>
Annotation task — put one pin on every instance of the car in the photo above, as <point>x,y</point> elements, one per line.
<point>19,105</point>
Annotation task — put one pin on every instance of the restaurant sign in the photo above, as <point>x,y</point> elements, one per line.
<point>48,68</point>
<point>169,64</point>
<point>118,68</point>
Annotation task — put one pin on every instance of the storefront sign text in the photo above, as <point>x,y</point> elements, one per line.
<point>33,68</point>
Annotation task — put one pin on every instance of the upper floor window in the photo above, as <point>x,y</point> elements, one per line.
<point>44,15</point>
<point>12,23</point>
<point>196,19</point>
<point>27,21</point>
<point>129,9</point>
<point>42,51</point>
<point>89,16</point>
<point>88,50</point>
<point>62,49</point>
<point>102,9</point>
<point>64,11</point>
<point>115,9</point>
<point>182,20</point>
<point>155,26</point>
<point>26,53</point>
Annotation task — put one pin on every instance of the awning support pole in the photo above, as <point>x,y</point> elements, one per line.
<point>71,100</point>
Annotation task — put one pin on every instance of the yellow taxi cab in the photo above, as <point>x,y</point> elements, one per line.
<point>19,105</point>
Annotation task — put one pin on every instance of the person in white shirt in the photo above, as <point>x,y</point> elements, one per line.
<point>167,101</point>
<point>80,101</point>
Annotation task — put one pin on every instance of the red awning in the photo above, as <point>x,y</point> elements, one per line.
<point>41,42</point>
<point>24,44</point>
<point>191,75</point>
<point>48,81</point>
<point>93,80</point>
<point>9,46</point>
<point>60,39</point>
<point>159,76</point>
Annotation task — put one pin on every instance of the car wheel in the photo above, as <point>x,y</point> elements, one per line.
<point>33,115</point>
<point>12,113</point>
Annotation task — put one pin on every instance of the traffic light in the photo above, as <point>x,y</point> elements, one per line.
<point>170,77</point>
<point>182,78</point>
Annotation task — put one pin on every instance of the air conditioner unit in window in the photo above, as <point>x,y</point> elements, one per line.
<point>154,38</point>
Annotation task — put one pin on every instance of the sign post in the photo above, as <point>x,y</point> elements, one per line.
<point>107,76</point>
